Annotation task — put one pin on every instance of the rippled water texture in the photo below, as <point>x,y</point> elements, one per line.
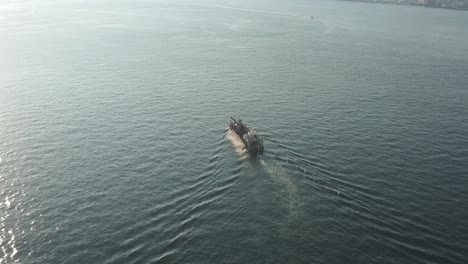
<point>114,148</point>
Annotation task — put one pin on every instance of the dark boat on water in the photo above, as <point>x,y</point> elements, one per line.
<point>253,143</point>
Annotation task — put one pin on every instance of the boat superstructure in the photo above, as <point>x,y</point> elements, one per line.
<point>253,142</point>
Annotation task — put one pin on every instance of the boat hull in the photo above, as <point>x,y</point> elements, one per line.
<point>253,150</point>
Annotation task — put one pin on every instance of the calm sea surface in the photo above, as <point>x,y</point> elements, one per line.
<point>113,143</point>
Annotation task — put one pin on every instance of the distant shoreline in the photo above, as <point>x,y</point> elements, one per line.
<point>394,2</point>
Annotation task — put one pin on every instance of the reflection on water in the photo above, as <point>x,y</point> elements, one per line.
<point>8,243</point>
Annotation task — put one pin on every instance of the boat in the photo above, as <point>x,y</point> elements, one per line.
<point>252,142</point>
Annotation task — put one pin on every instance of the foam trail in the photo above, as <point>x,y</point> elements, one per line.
<point>284,180</point>
<point>258,11</point>
<point>49,24</point>
<point>280,176</point>
<point>255,11</point>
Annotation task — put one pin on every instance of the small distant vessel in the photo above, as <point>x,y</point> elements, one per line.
<point>253,143</point>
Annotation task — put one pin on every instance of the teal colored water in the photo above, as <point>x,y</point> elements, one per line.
<point>113,143</point>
